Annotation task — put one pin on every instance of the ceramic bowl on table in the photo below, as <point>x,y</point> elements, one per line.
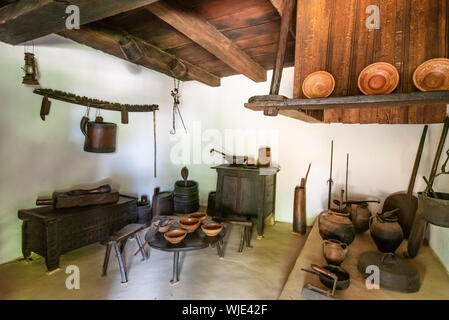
<point>175,236</point>
<point>198,215</point>
<point>189,224</point>
<point>166,226</point>
<point>212,229</point>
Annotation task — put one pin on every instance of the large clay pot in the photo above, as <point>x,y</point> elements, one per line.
<point>386,231</point>
<point>360,215</point>
<point>334,251</point>
<point>336,225</point>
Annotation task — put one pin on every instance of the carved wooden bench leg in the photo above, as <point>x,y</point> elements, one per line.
<point>121,263</point>
<point>249,231</point>
<point>242,239</point>
<point>140,244</point>
<point>106,259</point>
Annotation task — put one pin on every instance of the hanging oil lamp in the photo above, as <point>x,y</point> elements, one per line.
<point>30,70</point>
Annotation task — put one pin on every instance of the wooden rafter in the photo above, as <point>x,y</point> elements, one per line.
<point>106,38</point>
<point>25,20</point>
<point>207,36</point>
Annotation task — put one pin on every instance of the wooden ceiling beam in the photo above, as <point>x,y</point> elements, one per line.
<point>25,20</point>
<point>106,38</point>
<point>279,6</point>
<point>207,36</point>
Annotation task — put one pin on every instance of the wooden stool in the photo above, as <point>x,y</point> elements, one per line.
<point>118,241</point>
<point>247,228</point>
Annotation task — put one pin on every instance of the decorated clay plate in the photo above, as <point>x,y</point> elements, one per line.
<point>432,75</point>
<point>319,84</point>
<point>378,78</point>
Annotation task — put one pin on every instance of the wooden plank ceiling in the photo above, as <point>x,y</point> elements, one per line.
<point>252,25</point>
<point>204,39</point>
<point>332,36</point>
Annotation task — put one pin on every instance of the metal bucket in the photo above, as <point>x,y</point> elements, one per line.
<point>435,211</point>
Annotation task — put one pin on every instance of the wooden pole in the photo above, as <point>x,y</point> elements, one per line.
<point>287,12</point>
<point>154,141</point>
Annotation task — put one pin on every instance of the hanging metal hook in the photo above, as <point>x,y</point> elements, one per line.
<point>175,94</point>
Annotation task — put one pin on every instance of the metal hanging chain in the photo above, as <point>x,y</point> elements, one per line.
<point>175,94</point>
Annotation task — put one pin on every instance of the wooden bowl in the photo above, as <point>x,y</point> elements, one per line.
<point>175,236</point>
<point>199,215</point>
<point>432,75</point>
<point>319,84</point>
<point>212,229</point>
<point>167,226</point>
<point>189,224</point>
<point>378,78</point>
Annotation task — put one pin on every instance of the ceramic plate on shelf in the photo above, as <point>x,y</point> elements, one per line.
<point>378,78</point>
<point>432,75</point>
<point>319,84</point>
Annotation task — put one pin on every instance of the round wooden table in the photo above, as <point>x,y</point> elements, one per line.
<point>196,240</point>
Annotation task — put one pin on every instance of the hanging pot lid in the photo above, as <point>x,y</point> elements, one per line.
<point>432,75</point>
<point>318,84</point>
<point>378,78</point>
<point>394,273</point>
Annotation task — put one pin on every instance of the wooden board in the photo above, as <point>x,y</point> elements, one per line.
<point>337,40</point>
<point>252,25</point>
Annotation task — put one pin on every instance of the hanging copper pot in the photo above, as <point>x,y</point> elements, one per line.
<point>100,137</point>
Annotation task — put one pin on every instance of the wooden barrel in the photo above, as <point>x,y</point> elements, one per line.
<point>186,198</point>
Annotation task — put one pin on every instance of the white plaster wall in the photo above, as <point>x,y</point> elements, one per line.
<point>38,157</point>
<point>381,156</point>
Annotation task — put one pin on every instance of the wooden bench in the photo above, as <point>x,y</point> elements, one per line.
<point>247,228</point>
<point>118,241</point>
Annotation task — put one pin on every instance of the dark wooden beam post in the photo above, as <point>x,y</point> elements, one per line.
<point>207,36</point>
<point>25,20</point>
<point>107,39</point>
<point>287,12</point>
<point>279,6</point>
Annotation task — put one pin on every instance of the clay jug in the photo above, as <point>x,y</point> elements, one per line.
<point>386,231</point>
<point>360,216</point>
<point>334,251</point>
<point>336,225</point>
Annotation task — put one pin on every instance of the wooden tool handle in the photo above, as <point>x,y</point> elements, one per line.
<point>411,185</point>
<point>101,189</point>
<point>439,152</point>
<point>323,271</point>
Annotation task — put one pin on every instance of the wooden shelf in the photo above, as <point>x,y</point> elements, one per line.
<point>301,109</point>
<point>258,103</point>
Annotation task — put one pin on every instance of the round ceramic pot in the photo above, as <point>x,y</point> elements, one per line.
<point>360,215</point>
<point>386,232</point>
<point>334,251</point>
<point>336,225</point>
